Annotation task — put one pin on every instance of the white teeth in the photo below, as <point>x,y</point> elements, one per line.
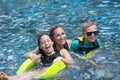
<point>47,47</point>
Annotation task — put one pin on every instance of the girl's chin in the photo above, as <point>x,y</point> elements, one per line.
<point>92,40</point>
<point>49,52</point>
<point>62,43</point>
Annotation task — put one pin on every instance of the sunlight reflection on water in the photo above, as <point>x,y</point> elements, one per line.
<point>21,22</point>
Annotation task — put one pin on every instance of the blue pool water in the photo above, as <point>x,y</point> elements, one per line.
<point>21,21</point>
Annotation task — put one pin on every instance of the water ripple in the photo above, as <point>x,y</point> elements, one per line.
<point>22,21</point>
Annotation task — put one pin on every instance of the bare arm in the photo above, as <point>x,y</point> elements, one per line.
<point>66,57</point>
<point>35,51</point>
<point>33,55</point>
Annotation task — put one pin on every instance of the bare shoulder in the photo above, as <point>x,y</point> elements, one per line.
<point>69,41</point>
<point>63,50</point>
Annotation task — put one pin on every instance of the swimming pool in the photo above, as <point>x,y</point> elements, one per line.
<point>21,22</point>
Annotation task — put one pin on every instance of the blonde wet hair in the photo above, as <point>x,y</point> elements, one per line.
<point>87,25</point>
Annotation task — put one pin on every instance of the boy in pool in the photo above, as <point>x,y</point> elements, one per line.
<point>89,40</point>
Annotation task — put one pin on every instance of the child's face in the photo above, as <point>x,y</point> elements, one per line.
<point>91,33</point>
<point>46,44</point>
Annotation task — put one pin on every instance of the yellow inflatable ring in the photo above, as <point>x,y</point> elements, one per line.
<point>28,64</point>
<point>52,70</point>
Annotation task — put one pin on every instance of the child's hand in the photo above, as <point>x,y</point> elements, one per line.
<point>35,57</point>
<point>3,76</point>
<point>58,59</point>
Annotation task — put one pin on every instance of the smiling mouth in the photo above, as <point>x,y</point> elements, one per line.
<point>62,40</point>
<point>47,48</point>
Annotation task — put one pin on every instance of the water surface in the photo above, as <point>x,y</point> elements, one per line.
<point>21,21</point>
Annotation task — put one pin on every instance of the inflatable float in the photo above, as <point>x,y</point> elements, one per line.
<point>28,64</point>
<point>87,56</point>
<point>52,70</point>
<point>49,73</point>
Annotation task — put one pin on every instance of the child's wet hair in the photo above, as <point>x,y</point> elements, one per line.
<point>87,24</point>
<point>39,37</point>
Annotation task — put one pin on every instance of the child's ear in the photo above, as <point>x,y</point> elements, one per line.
<point>83,33</point>
<point>40,47</point>
<point>52,42</point>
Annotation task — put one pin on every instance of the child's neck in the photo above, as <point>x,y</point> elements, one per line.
<point>59,47</point>
<point>49,54</point>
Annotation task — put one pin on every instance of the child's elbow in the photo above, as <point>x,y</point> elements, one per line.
<point>72,62</point>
